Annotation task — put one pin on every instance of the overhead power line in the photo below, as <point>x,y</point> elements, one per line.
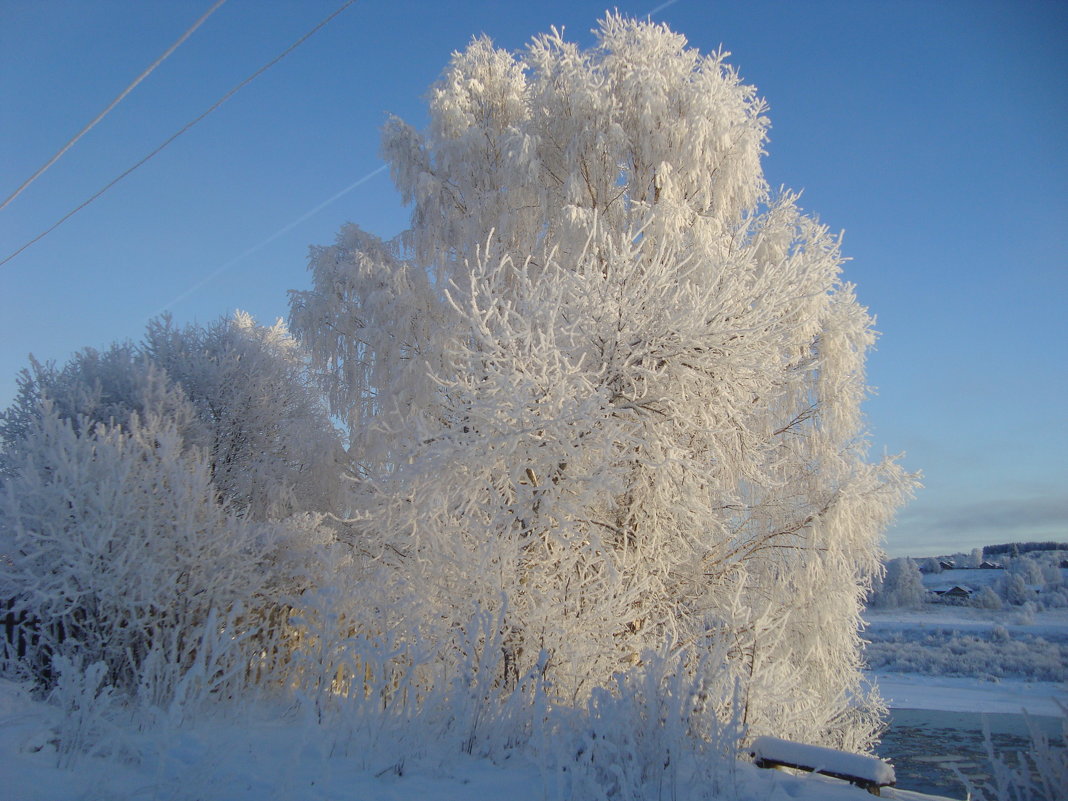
<point>185,128</point>
<point>113,103</point>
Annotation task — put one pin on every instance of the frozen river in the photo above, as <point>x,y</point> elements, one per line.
<point>925,745</point>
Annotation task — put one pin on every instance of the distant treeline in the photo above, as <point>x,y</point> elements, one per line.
<point>1024,547</point>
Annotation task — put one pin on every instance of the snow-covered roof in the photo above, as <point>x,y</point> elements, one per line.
<point>956,589</point>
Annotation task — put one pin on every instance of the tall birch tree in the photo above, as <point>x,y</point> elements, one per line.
<point>607,385</point>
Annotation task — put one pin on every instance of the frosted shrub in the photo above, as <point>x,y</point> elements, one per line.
<point>234,389</point>
<point>86,708</point>
<point>900,586</point>
<point>92,387</point>
<point>1025,615</point>
<point>272,450</point>
<point>655,733</point>
<point>383,697</point>
<point>117,552</point>
<point>1014,589</point>
<point>368,693</point>
<point>1056,598</point>
<point>986,598</point>
<point>1028,568</point>
<point>1052,573</point>
<point>162,507</point>
<point>1001,655</point>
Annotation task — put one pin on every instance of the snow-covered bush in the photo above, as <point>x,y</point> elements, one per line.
<point>153,495</point>
<point>1014,589</point>
<point>1024,615</point>
<point>237,390</point>
<point>156,495</point>
<point>1027,568</point>
<point>606,388</point>
<point>931,565</point>
<point>1054,598</point>
<point>271,447</point>
<point>92,387</point>
<point>1001,654</point>
<point>986,598</point>
<point>1052,575</point>
<point>85,704</point>
<point>655,733</point>
<point>118,552</point>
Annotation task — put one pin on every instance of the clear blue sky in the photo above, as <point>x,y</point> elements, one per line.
<point>934,133</point>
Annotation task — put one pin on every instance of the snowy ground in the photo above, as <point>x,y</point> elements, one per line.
<point>259,756</point>
<point>974,660</point>
<point>964,618</point>
<point>264,754</point>
<point>956,694</point>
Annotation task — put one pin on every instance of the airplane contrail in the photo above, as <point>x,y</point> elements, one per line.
<point>280,232</point>
<point>661,7</point>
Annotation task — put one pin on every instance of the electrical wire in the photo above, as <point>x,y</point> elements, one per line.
<point>114,103</point>
<point>185,128</point>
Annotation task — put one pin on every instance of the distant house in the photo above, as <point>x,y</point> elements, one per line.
<point>946,564</point>
<point>985,565</point>
<point>957,593</point>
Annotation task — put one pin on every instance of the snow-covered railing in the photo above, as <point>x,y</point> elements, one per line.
<point>870,773</point>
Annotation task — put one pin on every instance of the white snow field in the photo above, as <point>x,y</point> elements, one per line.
<point>962,659</point>
<point>263,754</point>
<point>259,752</point>
<point>961,694</point>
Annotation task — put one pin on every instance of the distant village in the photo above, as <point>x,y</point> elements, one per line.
<point>1032,575</point>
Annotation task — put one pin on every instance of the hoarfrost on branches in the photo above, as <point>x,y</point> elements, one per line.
<point>607,386</point>
<point>161,510</point>
<point>233,388</point>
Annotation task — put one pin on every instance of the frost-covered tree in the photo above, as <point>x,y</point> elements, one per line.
<point>1028,568</point>
<point>607,386</point>
<point>931,565</point>
<point>1052,576</point>
<point>272,448</point>
<point>900,586</point>
<point>92,387</point>
<point>236,389</point>
<point>986,598</point>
